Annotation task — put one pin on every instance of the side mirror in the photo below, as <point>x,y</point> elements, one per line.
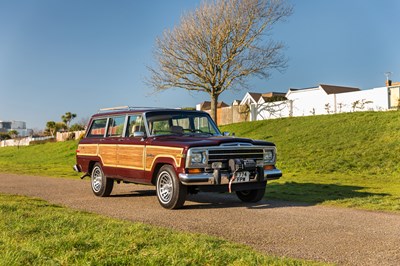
<point>227,134</point>
<point>138,134</point>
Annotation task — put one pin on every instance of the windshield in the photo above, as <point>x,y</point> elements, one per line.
<point>178,122</point>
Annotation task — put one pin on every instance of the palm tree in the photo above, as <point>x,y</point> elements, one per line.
<point>67,118</point>
<point>51,127</point>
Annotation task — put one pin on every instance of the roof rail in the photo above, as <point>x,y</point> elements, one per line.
<point>125,108</point>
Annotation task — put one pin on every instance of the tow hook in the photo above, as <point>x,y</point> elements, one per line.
<point>85,175</point>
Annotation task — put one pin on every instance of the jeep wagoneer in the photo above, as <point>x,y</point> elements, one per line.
<point>177,151</point>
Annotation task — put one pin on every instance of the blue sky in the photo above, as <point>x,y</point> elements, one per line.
<point>78,56</point>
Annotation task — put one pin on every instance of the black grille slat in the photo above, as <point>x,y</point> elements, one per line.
<point>219,151</point>
<point>226,154</point>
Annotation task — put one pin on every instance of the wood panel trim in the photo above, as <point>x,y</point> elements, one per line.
<point>166,152</point>
<point>176,154</point>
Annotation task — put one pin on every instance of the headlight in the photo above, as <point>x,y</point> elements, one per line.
<point>268,156</point>
<point>197,157</point>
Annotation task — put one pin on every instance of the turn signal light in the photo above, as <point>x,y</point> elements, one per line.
<point>269,167</point>
<point>195,171</point>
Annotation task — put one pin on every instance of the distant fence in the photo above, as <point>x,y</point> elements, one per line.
<point>232,114</point>
<point>21,141</point>
<point>26,141</point>
<point>69,135</point>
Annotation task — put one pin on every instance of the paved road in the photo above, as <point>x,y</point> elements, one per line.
<point>344,236</point>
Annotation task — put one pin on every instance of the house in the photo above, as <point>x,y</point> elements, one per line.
<point>19,126</point>
<point>316,100</point>
<point>331,99</point>
<point>261,105</point>
<point>260,98</point>
<point>394,94</point>
<point>236,102</point>
<point>206,106</point>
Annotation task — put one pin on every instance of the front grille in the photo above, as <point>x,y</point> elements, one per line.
<point>223,155</point>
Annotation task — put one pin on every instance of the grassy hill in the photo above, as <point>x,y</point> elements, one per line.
<point>49,159</point>
<point>367,143</point>
<point>347,159</point>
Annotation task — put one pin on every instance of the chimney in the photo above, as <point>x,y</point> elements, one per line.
<point>388,83</point>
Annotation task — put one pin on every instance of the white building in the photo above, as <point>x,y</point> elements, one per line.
<point>321,99</point>
<point>330,99</point>
<point>316,100</point>
<point>19,126</point>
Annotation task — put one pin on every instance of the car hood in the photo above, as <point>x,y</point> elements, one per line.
<point>187,141</point>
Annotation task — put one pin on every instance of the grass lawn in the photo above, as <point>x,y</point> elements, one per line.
<point>349,160</point>
<point>34,232</point>
<point>49,159</point>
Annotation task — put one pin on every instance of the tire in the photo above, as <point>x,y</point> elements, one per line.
<point>171,193</point>
<point>254,195</point>
<point>101,185</point>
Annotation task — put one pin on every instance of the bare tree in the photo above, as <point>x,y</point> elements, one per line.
<point>218,46</point>
<point>272,109</point>
<point>360,104</point>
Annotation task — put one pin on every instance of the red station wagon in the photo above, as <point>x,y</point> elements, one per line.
<point>177,151</point>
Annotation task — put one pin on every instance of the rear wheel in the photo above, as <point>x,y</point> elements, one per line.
<point>171,193</point>
<point>101,185</point>
<point>254,195</point>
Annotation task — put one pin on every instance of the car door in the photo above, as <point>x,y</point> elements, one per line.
<point>108,145</point>
<point>130,150</point>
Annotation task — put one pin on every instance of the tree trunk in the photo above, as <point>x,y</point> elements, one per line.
<point>214,106</point>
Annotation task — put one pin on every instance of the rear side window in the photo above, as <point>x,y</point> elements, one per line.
<point>116,126</point>
<point>98,128</point>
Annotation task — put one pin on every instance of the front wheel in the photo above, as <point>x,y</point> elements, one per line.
<point>101,185</point>
<point>171,193</point>
<point>254,195</point>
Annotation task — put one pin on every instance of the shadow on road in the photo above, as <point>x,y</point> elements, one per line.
<point>316,193</point>
<point>290,194</point>
<point>225,200</point>
<point>135,193</point>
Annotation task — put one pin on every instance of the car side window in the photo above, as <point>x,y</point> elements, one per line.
<point>98,128</point>
<point>116,126</point>
<point>202,124</point>
<point>135,124</point>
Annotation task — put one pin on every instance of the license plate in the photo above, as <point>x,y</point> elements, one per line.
<point>242,177</point>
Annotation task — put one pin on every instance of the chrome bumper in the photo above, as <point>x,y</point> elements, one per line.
<point>209,179</point>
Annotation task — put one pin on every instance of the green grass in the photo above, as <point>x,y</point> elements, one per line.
<point>49,159</point>
<point>349,160</point>
<point>34,232</point>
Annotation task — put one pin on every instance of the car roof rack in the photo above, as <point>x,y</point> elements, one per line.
<point>127,108</point>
